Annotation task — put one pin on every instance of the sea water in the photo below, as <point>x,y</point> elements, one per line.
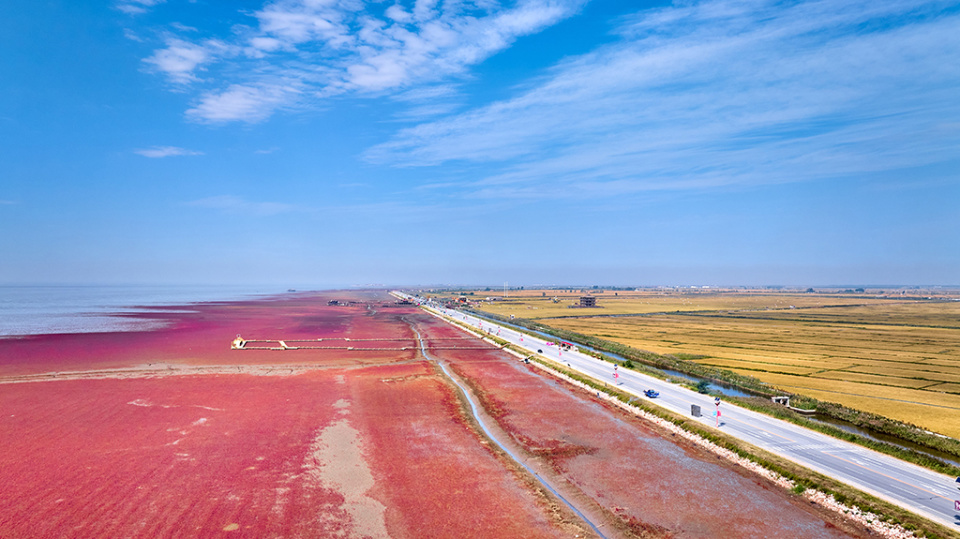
<point>34,310</point>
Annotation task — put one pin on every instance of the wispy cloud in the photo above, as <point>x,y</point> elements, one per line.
<point>183,27</point>
<point>321,49</point>
<point>181,60</point>
<point>427,102</point>
<point>132,36</point>
<point>719,93</point>
<point>235,204</point>
<point>7,202</point>
<point>136,7</point>
<point>243,103</point>
<point>156,152</point>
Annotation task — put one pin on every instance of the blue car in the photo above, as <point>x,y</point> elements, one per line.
<point>651,393</point>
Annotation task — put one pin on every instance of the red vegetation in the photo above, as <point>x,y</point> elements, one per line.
<point>203,336</point>
<point>653,485</point>
<point>174,456</point>
<point>145,455</point>
<point>435,475</point>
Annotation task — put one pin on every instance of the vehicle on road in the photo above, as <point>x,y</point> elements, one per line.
<point>539,350</point>
<point>651,393</point>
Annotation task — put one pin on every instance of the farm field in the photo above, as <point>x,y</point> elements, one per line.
<point>896,357</point>
<point>544,304</point>
<point>171,433</point>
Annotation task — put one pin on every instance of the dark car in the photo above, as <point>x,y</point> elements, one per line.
<point>539,351</point>
<point>651,393</point>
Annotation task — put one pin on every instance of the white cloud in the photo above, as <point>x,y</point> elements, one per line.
<point>299,21</point>
<point>180,59</point>
<point>131,35</point>
<point>718,93</point>
<point>183,27</point>
<point>242,103</point>
<point>136,7</point>
<point>235,204</point>
<point>330,47</point>
<point>427,93</point>
<point>425,112</point>
<point>156,152</point>
<point>398,14</point>
<point>260,46</point>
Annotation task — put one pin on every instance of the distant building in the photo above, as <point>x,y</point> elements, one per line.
<point>588,301</point>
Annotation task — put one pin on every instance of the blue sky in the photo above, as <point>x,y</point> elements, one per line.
<point>341,142</point>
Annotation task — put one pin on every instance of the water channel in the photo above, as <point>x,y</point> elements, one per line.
<point>846,426</point>
<point>486,430</point>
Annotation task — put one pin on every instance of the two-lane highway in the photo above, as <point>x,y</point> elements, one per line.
<point>917,489</point>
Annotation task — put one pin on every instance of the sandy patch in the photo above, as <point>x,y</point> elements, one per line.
<point>336,462</point>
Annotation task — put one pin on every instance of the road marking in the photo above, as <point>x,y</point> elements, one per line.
<point>807,447</point>
<point>771,433</point>
<point>885,475</point>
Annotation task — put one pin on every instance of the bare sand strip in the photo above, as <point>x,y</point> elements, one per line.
<point>335,462</point>
<point>157,370</point>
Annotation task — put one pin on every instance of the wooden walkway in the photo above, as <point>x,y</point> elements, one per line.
<point>410,344</point>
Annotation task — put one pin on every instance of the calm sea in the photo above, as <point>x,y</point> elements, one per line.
<point>34,310</point>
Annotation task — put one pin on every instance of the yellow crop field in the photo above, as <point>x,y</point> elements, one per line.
<point>875,379</point>
<point>758,366</point>
<point>931,377</point>
<point>895,353</point>
<point>920,407</point>
<point>946,388</point>
<point>557,305</point>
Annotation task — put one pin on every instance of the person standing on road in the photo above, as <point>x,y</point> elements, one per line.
<point>616,375</point>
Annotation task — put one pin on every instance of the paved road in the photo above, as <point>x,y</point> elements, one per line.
<point>917,489</point>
